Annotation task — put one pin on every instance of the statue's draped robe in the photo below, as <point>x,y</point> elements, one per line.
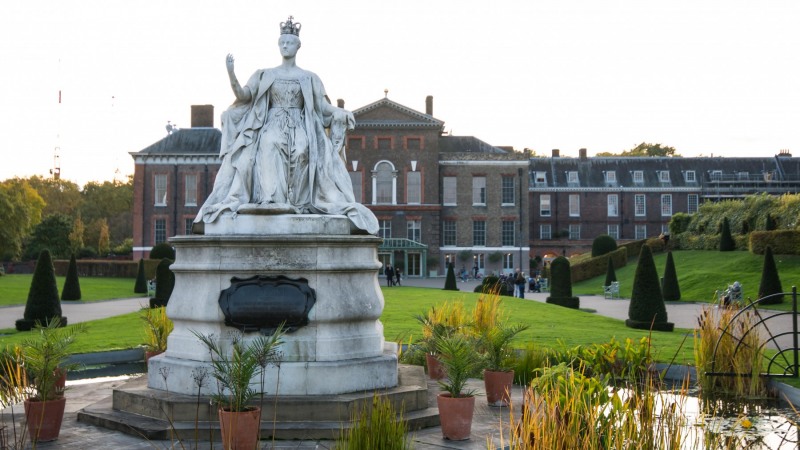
<point>243,125</point>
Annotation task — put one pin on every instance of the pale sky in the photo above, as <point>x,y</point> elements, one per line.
<point>706,77</point>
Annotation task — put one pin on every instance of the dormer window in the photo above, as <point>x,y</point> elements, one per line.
<point>638,177</point>
<point>716,175</point>
<point>691,177</point>
<point>611,177</point>
<point>540,179</point>
<point>572,177</point>
<point>663,176</point>
<point>744,176</point>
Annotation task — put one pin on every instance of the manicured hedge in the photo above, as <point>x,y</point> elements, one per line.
<point>107,268</point>
<point>783,242</point>
<point>593,267</point>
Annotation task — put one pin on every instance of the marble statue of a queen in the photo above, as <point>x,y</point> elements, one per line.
<point>282,146</point>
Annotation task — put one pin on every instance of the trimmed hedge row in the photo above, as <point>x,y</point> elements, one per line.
<point>104,268</point>
<point>783,242</point>
<point>598,265</point>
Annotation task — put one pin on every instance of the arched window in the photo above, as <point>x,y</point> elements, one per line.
<point>384,184</point>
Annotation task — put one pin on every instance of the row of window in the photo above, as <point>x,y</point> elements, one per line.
<point>507,190</point>
<point>384,185</point>
<point>189,191</point>
<point>479,261</point>
<point>639,205</point>
<point>613,230</point>
<point>384,143</point>
<point>508,233</point>
<point>610,177</point>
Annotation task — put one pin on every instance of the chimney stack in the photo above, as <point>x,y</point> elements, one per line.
<point>340,103</point>
<point>202,116</point>
<point>556,153</point>
<point>582,154</point>
<point>429,105</point>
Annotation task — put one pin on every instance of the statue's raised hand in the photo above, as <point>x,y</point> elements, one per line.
<point>229,63</point>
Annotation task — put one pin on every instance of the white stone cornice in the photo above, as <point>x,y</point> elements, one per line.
<point>484,163</point>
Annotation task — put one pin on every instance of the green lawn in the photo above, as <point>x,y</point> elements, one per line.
<point>550,325</point>
<point>701,272</point>
<point>14,288</point>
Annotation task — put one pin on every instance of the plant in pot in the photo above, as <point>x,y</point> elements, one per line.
<point>45,356</point>
<point>439,321</point>
<point>13,390</point>
<point>157,328</point>
<point>457,403</point>
<point>234,366</point>
<point>498,376</point>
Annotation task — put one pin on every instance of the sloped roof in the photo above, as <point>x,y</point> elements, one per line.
<point>393,115</point>
<point>194,141</point>
<point>466,144</point>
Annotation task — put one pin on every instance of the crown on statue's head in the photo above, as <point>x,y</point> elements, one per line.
<point>290,27</point>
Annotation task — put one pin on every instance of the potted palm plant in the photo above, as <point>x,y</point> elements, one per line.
<point>45,357</point>
<point>439,321</point>
<point>457,403</point>
<point>498,376</point>
<point>234,367</point>
<point>157,329</point>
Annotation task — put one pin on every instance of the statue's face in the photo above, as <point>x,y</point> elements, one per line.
<point>288,45</point>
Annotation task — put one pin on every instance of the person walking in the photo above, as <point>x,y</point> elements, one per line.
<point>397,275</point>
<point>520,282</point>
<point>389,272</point>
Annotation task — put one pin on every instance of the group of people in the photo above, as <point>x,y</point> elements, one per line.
<point>393,275</point>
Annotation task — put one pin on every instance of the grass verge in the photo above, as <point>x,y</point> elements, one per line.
<point>14,288</point>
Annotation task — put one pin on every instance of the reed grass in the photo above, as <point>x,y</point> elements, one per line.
<point>378,427</point>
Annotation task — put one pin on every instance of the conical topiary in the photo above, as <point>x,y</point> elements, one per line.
<point>72,287</point>
<point>450,280</point>
<point>165,282</point>
<point>646,310</point>
<point>611,275</point>
<point>726,242</point>
<point>770,281</point>
<point>141,281</point>
<point>43,304</point>
<point>671,291</point>
<point>770,224</point>
<point>561,284</point>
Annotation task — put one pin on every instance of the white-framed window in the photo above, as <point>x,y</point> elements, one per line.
<point>639,208</point>
<point>385,228</point>
<point>190,190</point>
<point>479,260</point>
<point>356,179</point>
<point>507,233</point>
<point>716,175</point>
<point>187,226</point>
<point>414,230</point>
<point>384,184</point>
<point>540,179</point>
<point>160,228</point>
<point>508,261</point>
<point>478,190</point>
<point>690,176</point>
<point>574,205</point>
<point>663,176</point>
<point>743,176</point>
<point>161,190</point>
<point>613,230</point>
<point>544,205</point>
<point>666,205</point>
<point>413,188</point>
<point>640,231</point>
<point>692,201</point>
<point>545,232</point>
<point>611,177</point>
<point>507,188</point>
<point>449,233</point>
<point>449,191</point>
<point>574,231</point>
<point>479,233</point>
<point>613,205</point>
<point>572,177</point>
<point>638,177</point>
<point>665,228</point>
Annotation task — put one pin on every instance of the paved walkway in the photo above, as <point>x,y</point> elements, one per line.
<point>486,424</point>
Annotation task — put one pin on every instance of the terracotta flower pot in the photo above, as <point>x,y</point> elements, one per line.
<point>498,387</point>
<point>240,429</point>
<point>44,418</point>
<point>455,416</point>
<point>149,354</point>
<point>435,369</point>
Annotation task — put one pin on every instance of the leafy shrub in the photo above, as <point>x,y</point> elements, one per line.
<point>783,242</point>
<point>679,223</point>
<point>770,281</point>
<point>87,252</point>
<point>561,284</point>
<point>161,251</point>
<point>603,244</point>
<point>124,248</point>
<point>72,286</point>
<point>647,308</point>
<point>43,305</point>
<point>592,267</point>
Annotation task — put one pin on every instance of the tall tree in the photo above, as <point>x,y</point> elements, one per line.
<point>103,238</point>
<point>52,233</point>
<point>76,235</point>
<point>110,200</point>
<point>21,208</point>
<point>645,149</point>
<point>60,196</point>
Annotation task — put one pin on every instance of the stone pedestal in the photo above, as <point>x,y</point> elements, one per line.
<point>342,348</point>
